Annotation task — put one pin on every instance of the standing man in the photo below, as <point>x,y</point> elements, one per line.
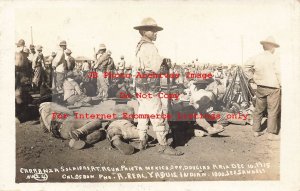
<point>121,65</point>
<point>265,72</point>
<point>32,53</point>
<point>148,61</point>
<point>58,65</point>
<point>70,61</point>
<point>103,62</point>
<point>37,66</point>
<point>85,67</point>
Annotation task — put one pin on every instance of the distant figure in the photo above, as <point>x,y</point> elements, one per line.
<point>86,66</point>
<point>37,65</point>
<point>70,61</point>
<point>121,65</point>
<point>58,65</point>
<point>103,64</point>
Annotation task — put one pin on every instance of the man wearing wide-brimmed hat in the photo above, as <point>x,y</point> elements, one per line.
<point>266,75</point>
<point>148,60</point>
<point>58,65</point>
<point>103,63</point>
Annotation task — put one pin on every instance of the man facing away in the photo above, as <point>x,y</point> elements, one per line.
<point>264,70</point>
<point>58,64</point>
<point>148,60</point>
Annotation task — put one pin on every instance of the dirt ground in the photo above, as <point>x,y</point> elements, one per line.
<point>234,155</point>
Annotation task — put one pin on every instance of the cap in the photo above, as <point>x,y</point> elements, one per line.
<point>68,51</point>
<point>63,43</point>
<point>39,47</point>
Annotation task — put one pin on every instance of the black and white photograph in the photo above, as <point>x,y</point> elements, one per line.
<point>152,91</point>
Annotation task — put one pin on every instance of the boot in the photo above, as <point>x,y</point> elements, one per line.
<point>143,140</point>
<point>167,150</point>
<point>123,147</point>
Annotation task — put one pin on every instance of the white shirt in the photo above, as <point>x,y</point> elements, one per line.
<point>265,68</point>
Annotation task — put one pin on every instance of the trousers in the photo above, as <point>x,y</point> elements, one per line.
<point>270,99</point>
<point>150,106</point>
<point>102,85</point>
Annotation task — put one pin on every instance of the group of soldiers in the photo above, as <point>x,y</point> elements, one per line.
<point>63,77</point>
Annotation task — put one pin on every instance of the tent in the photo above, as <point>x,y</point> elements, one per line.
<point>239,90</point>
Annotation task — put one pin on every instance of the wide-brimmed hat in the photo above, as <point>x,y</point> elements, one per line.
<point>63,43</point>
<point>148,24</point>
<point>68,51</point>
<point>21,42</point>
<point>270,40</point>
<point>39,48</point>
<point>102,46</point>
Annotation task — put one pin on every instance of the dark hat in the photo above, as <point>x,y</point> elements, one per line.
<point>21,42</point>
<point>148,23</point>
<point>63,43</point>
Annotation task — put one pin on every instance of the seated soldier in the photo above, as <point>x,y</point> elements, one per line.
<point>72,92</point>
<point>203,102</point>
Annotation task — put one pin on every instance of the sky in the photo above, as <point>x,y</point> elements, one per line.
<point>212,31</point>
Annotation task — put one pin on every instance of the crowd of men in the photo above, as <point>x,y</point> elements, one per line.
<point>78,84</point>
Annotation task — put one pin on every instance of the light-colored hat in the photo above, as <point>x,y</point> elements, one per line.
<point>102,47</point>
<point>148,23</point>
<point>68,51</point>
<point>21,42</point>
<point>270,40</point>
<point>26,50</point>
<point>39,47</point>
<point>63,43</point>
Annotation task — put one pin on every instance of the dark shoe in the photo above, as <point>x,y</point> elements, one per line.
<point>94,137</point>
<point>167,150</point>
<point>125,148</point>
